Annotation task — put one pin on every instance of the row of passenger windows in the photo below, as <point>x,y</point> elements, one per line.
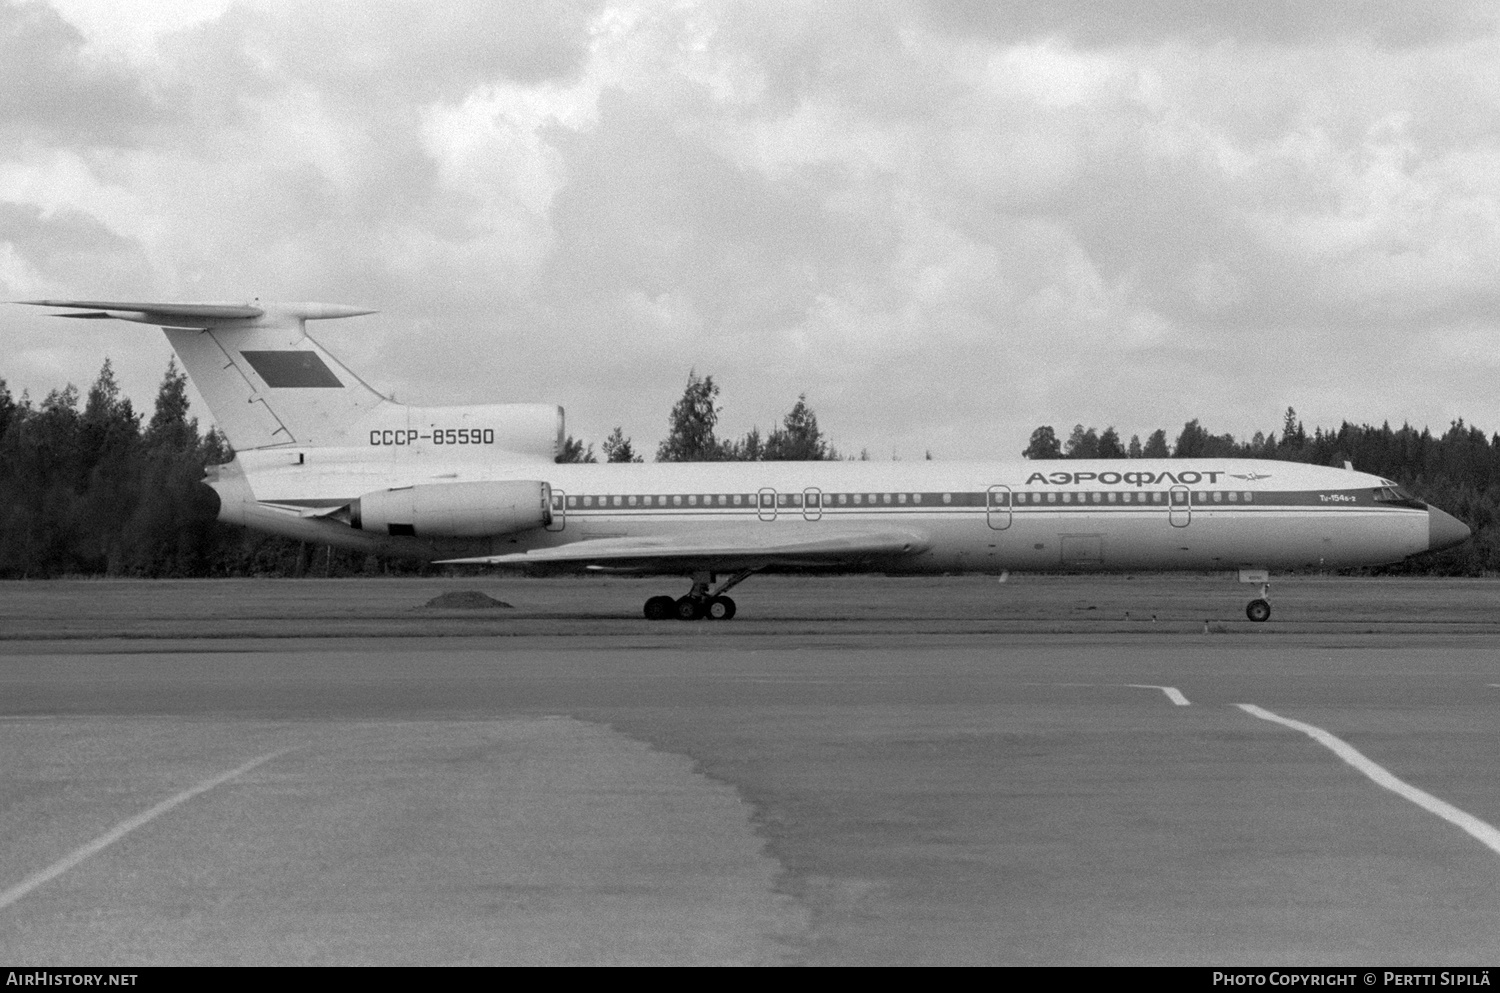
<point>998,498</point>
<point>767,499</point>
<point>1002,498</point>
<point>754,500</point>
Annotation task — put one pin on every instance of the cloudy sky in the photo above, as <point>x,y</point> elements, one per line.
<point>945,221</point>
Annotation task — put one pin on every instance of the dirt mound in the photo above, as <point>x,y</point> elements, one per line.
<point>467,600</point>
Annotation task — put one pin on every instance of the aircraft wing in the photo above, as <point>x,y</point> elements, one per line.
<point>721,550</point>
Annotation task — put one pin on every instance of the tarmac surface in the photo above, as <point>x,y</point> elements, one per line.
<point>1085,770</point>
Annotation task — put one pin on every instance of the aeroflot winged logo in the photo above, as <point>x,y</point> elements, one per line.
<point>1251,476</point>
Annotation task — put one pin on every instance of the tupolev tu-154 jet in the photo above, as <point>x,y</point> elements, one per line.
<point>322,457</point>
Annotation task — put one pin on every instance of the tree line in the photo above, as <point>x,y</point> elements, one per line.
<point>89,486</point>
<point>691,438</point>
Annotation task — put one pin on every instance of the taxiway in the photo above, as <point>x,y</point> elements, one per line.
<point>853,771</point>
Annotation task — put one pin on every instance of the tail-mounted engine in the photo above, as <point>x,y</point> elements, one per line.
<point>455,510</point>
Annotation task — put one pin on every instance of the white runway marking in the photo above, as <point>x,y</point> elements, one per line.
<point>1172,692</point>
<point>120,830</point>
<point>1487,834</point>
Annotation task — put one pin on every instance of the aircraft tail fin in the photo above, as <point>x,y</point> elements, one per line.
<point>266,381</point>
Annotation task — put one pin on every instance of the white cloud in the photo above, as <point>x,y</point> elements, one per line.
<point>945,222</point>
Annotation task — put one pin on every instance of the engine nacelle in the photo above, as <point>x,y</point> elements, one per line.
<point>455,510</point>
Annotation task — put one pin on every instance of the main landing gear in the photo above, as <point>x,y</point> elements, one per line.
<point>701,602</point>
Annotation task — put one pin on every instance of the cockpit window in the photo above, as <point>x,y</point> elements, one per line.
<point>1393,494</point>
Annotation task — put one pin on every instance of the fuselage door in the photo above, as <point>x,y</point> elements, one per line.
<point>997,507</point>
<point>1180,504</point>
<point>559,511</point>
<point>765,504</point>
<point>812,503</point>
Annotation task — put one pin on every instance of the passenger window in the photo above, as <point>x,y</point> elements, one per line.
<point>1051,497</point>
<point>885,498</point>
<point>843,499</point>
<point>572,501</point>
<point>859,498</point>
<point>947,497</point>
<point>916,498</point>
<point>1218,497</point>
<point>676,500</point>
<point>900,497</point>
<point>1249,497</point>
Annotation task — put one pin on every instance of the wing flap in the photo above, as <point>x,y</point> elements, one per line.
<point>720,550</point>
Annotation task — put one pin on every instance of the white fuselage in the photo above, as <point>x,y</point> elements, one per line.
<point>325,458</point>
<point>978,516</point>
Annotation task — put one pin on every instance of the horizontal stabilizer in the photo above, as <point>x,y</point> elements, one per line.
<point>268,383</point>
<point>199,311</point>
<point>198,314</point>
<point>753,547</point>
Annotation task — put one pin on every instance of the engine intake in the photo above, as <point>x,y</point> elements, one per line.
<point>455,510</point>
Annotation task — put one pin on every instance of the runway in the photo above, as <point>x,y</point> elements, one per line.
<point>854,771</point>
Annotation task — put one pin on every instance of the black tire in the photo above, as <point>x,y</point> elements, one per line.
<point>688,609</point>
<point>660,608</point>
<point>720,608</point>
<point>1258,610</point>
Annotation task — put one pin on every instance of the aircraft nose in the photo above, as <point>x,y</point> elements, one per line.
<point>1444,530</point>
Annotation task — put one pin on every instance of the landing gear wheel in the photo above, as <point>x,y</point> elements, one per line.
<point>660,608</point>
<point>720,608</point>
<point>688,609</point>
<point>1258,610</point>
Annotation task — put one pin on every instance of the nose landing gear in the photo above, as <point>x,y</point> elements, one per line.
<point>701,602</point>
<point>1260,608</point>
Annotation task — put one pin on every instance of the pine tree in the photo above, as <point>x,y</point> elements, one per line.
<point>170,424</point>
<point>1082,443</point>
<point>798,439</point>
<point>690,437</point>
<point>750,448</point>
<point>573,451</point>
<point>1043,445</point>
<point>617,447</point>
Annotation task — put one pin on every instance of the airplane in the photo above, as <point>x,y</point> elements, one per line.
<point>322,457</point>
